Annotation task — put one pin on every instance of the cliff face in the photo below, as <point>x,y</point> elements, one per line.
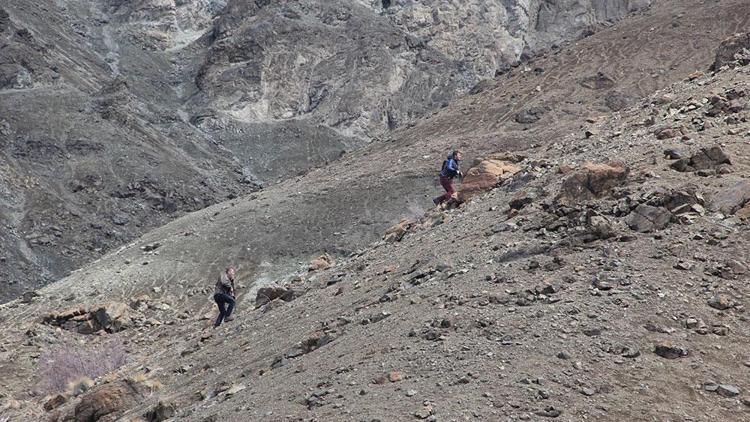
<point>116,117</point>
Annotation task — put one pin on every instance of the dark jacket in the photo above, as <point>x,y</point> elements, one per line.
<point>224,285</point>
<point>450,168</point>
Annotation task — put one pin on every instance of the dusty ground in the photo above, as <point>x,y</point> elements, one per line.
<point>491,314</point>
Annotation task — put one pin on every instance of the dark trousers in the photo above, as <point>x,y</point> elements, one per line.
<point>447,184</point>
<point>226,306</point>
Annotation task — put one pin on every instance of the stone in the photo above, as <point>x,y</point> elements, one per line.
<point>54,402</point>
<point>704,160</point>
<point>631,352</point>
<point>530,115</point>
<point>588,391</point>
<point>521,199</point>
<point>109,400</point>
<point>646,218</point>
<point>120,219</point>
<point>162,411</point>
<point>115,316</point>
<point>267,294</point>
<point>396,232</point>
<point>591,181</point>
<point>744,212</point>
<point>726,390</point>
<point>672,154</point>
<point>140,303</point>
<point>731,199</point>
<point>395,376</point>
<point>68,313</point>
<point>235,389</point>
<point>732,51</point>
<point>424,412</point>
<point>670,132</point>
<point>88,327</point>
<point>323,262</point>
<point>720,302</point>
<point>484,175</point>
<point>720,329</point>
<point>670,351</point>
<point>602,285</point>
<point>563,355</point>
<point>711,387</point>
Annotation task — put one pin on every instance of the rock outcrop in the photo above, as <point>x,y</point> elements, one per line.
<point>486,174</point>
<point>592,181</point>
<point>733,51</point>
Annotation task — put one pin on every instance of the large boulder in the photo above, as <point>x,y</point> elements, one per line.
<point>706,158</point>
<point>732,199</point>
<point>484,175</point>
<point>115,316</point>
<point>108,401</point>
<point>733,50</point>
<point>592,181</point>
<point>647,218</point>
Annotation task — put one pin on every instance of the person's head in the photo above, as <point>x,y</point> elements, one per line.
<point>230,272</point>
<point>457,155</point>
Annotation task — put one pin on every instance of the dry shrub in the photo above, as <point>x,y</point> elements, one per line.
<point>66,362</point>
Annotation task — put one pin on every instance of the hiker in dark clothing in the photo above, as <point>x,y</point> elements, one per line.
<point>447,173</point>
<point>224,296</point>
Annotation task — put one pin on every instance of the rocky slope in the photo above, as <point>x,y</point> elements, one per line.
<point>614,290</point>
<point>120,116</point>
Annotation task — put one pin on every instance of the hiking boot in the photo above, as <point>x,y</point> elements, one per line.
<point>228,319</point>
<point>436,201</point>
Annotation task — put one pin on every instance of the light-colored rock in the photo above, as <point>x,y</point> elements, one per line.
<point>484,175</point>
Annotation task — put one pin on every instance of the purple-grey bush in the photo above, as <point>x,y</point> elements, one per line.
<point>70,360</point>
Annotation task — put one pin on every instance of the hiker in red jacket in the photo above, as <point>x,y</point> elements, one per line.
<point>449,171</point>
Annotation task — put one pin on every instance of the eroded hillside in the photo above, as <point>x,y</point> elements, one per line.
<point>117,117</point>
<point>614,290</point>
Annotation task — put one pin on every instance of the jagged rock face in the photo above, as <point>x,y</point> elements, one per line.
<point>115,117</point>
<point>366,66</point>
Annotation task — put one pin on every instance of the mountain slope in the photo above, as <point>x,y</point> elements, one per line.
<point>504,314</point>
<point>118,117</point>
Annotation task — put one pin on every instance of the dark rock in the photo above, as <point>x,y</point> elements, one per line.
<point>670,132</point>
<point>549,412</point>
<point>720,302</point>
<point>646,218</point>
<point>270,293</point>
<point>54,402</point>
<point>726,390</point>
<point>731,199</point>
<point>530,115</point>
<point>733,51</point>
<point>670,351</point>
<point>705,159</point>
<point>108,401</point>
<point>672,154</point>
<point>161,412</point>
<point>591,181</point>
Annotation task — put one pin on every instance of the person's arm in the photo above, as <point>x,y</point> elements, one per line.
<point>453,166</point>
